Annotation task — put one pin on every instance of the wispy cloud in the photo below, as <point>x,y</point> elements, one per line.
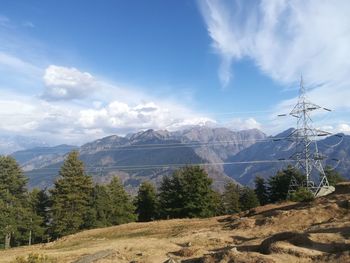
<point>4,21</point>
<point>28,24</point>
<point>8,61</point>
<point>230,30</point>
<point>284,38</point>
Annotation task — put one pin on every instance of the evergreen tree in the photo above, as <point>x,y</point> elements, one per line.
<point>248,199</point>
<point>217,204</point>
<point>187,193</point>
<point>333,176</point>
<point>33,227</point>
<point>12,201</point>
<point>71,197</point>
<point>101,206</point>
<point>122,209</point>
<point>146,202</point>
<point>230,198</point>
<point>39,203</point>
<point>170,198</point>
<point>261,190</point>
<point>279,184</point>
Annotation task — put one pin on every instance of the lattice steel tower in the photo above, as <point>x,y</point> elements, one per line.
<point>307,157</point>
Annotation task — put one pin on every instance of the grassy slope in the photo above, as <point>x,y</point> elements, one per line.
<point>319,232</point>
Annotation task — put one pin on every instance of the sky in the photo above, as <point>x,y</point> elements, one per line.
<point>75,71</point>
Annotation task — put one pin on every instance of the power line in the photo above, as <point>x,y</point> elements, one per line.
<point>150,146</point>
<point>155,166</point>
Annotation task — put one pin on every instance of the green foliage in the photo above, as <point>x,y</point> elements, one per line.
<point>248,199</point>
<point>261,190</point>
<point>187,193</point>
<point>35,258</point>
<point>101,206</point>
<point>39,204</point>
<point>14,213</point>
<point>74,204</point>
<point>279,184</point>
<point>147,202</point>
<point>71,197</point>
<point>230,199</point>
<point>121,208</point>
<point>302,195</point>
<point>333,176</point>
<point>217,204</point>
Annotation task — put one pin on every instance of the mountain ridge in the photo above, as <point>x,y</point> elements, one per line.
<point>152,154</point>
<point>149,155</point>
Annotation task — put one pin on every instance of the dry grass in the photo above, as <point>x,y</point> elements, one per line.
<point>286,232</point>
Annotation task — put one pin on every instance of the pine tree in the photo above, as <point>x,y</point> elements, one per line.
<point>71,197</point>
<point>12,201</point>
<point>39,204</point>
<point>261,190</point>
<point>101,206</point>
<point>121,209</point>
<point>333,176</point>
<point>230,198</point>
<point>187,193</point>
<point>248,199</point>
<point>279,184</point>
<point>217,204</point>
<point>146,202</point>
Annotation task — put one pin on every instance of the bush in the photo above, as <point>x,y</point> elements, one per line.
<point>302,195</point>
<point>35,258</point>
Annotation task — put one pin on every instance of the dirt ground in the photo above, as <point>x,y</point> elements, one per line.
<point>288,232</point>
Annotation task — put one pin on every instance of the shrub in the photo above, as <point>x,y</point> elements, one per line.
<point>302,195</point>
<point>35,258</point>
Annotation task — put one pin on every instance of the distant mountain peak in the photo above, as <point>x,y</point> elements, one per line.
<point>150,134</point>
<point>285,133</point>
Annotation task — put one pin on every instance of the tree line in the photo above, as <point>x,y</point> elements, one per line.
<point>75,203</point>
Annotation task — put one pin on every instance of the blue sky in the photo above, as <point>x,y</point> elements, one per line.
<point>72,71</point>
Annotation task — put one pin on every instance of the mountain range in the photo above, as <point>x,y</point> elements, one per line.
<point>149,155</point>
<point>335,149</point>
<point>12,143</point>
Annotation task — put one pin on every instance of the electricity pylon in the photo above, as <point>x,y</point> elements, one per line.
<point>307,157</point>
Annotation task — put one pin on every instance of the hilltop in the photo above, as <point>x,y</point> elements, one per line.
<point>318,231</point>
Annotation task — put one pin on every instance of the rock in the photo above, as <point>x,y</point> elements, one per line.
<point>234,250</point>
<point>171,260</point>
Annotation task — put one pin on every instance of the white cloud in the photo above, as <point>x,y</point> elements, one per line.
<point>75,114</point>
<point>244,124</point>
<point>67,83</point>
<point>284,38</point>
<point>231,38</point>
<point>8,61</point>
<point>119,116</point>
<point>344,127</point>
